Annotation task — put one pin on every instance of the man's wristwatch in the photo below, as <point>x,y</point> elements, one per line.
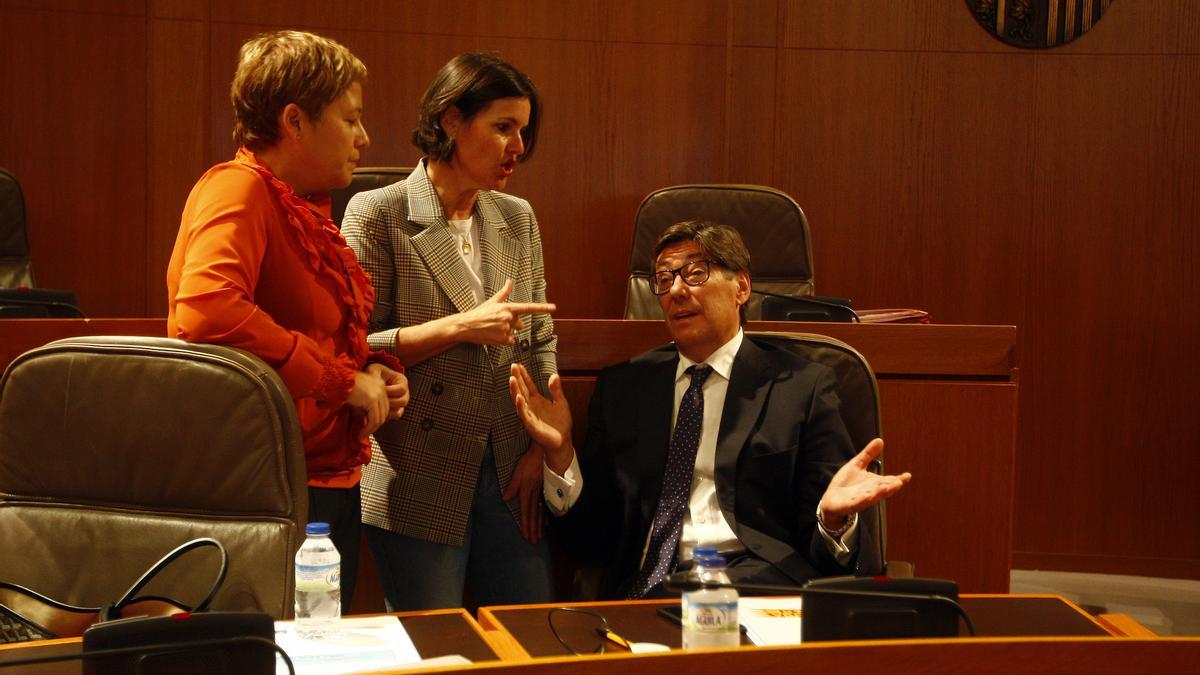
<point>835,534</point>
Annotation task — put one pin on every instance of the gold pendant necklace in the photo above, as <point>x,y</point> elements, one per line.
<point>466,247</point>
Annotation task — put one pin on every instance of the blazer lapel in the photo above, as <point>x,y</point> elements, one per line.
<point>498,249</point>
<point>749,383</point>
<point>654,434</point>
<point>434,243</point>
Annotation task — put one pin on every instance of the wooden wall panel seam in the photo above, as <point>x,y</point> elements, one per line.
<point>727,123</point>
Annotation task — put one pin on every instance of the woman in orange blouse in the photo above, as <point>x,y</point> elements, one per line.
<point>259,264</point>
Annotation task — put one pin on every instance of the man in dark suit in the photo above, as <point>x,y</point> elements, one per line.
<point>717,440</point>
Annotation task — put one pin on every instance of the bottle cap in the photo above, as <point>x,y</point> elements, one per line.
<point>714,560</point>
<point>317,528</point>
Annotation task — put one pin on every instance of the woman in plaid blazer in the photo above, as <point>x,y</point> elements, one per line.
<point>453,490</point>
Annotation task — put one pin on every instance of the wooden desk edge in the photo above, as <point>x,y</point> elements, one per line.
<point>488,639</point>
<point>904,350</point>
<point>640,663</point>
<point>39,643</point>
<point>1122,625</point>
<point>493,625</point>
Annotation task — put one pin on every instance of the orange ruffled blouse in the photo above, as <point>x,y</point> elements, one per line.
<point>259,268</point>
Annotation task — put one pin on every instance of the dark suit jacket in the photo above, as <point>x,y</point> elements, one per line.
<point>780,442</point>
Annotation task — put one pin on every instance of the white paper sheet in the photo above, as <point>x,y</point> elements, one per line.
<point>771,621</point>
<point>361,643</point>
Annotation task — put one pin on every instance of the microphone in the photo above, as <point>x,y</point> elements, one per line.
<point>778,307</point>
<point>860,608</point>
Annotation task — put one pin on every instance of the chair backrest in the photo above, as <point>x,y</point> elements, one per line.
<point>366,178</point>
<point>39,303</point>
<point>771,223</point>
<point>114,450</point>
<point>15,269</point>
<point>858,393</point>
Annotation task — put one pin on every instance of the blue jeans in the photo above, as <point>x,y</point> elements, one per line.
<point>500,565</point>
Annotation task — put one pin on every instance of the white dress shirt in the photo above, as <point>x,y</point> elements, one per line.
<point>703,524</point>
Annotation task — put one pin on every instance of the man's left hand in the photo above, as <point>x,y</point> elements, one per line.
<point>854,488</point>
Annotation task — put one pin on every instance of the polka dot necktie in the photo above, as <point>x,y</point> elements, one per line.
<point>677,486</point>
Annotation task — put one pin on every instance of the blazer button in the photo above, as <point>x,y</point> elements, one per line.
<point>427,424</point>
<point>525,344</point>
<point>436,389</point>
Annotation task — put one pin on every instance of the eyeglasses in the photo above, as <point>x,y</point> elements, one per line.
<point>694,273</point>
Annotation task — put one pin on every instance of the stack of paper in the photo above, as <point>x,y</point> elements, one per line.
<point>771,621</point>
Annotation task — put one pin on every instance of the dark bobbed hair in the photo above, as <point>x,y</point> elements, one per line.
<point>470,82</point>
<point>721,244</point>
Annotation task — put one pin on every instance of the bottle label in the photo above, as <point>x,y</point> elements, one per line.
<point>318,577</point>
<point>711,617</point>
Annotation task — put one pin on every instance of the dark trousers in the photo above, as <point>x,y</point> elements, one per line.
<point>342,509</point>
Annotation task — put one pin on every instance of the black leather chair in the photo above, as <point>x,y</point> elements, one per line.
<point>771,223</point>
<point>858,392</point>
<point>366,178</point>
<point>115,450</point>
<point>19,299</point>
<point>16,271</point>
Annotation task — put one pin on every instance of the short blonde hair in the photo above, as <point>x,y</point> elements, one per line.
<point>275,69</point>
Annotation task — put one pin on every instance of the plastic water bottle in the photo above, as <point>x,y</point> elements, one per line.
<point>318,583</point>
<point>710,616</point>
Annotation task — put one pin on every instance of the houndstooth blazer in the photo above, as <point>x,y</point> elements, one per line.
<point>420,481</point>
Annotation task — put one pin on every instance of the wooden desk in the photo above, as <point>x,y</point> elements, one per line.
<point>434,633</point>
<point>949,399</point>
<point>1015,634</point>
<point>525,632</point>
<point>992,656</point>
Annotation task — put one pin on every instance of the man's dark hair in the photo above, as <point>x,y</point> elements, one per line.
<point>721,244</point>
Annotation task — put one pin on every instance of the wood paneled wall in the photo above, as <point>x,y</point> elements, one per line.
<point>939,168</point>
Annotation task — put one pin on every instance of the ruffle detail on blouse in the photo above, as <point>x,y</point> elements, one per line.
<point>327,253</point>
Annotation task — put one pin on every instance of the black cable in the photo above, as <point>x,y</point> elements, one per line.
<point>578,610</point>
<point>114,611</point>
